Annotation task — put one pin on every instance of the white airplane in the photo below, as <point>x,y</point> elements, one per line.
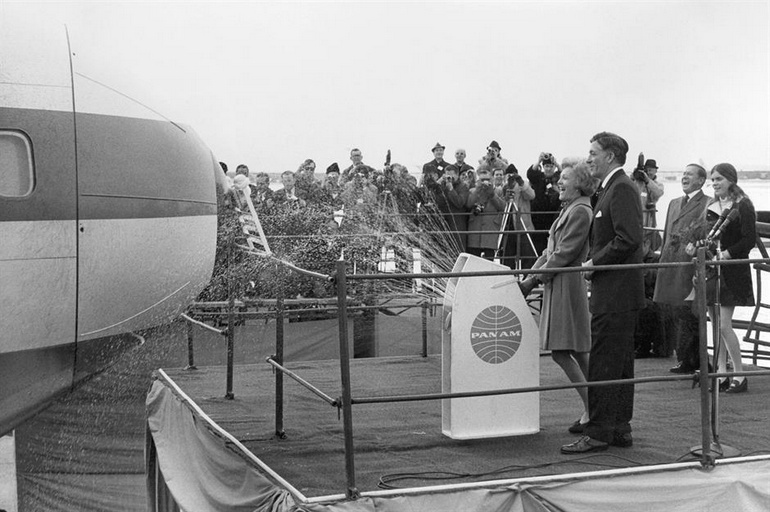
<point>108,218</point>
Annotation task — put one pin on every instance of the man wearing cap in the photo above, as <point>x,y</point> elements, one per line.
<point>673,285</point>
<point>492,160</point>
<point>543,177</point>
<point>649,193</point>
<point>437,165</point>
<point>331,189</point>
<point>616,297</point>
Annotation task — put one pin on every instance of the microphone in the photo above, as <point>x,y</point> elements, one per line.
<point>718,224</point>
<point>730,217</point>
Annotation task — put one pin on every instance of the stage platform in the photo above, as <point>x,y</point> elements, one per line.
<point>400,445</point>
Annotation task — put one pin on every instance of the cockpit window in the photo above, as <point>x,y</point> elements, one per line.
<point>17,177</point>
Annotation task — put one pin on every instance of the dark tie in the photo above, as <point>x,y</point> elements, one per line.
<point>684,202</point>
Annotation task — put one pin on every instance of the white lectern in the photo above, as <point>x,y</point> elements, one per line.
<point>489,341</point>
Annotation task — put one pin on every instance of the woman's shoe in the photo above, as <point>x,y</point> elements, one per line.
<point>736,387</point>
<point>723,386</point>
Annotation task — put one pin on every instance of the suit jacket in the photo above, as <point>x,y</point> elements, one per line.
<point>616,239</point>
<point>434,166</point>
<point>683,225</point>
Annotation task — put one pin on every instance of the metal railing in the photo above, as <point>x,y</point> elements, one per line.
<point>709,449</point>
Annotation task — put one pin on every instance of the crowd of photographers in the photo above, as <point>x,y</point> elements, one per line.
<point>476,204</point>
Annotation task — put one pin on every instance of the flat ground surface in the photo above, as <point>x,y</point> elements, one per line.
<point>401,444</point>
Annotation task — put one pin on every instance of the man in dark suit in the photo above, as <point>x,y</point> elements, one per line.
<point>616,297</point>
<point>683,225</point>
<point>437,165</point>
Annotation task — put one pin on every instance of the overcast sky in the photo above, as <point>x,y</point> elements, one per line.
<point>272,83</point>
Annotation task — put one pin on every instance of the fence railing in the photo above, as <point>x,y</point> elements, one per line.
<point>344,307</point>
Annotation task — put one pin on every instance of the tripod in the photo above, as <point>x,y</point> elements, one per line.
<point>510,206</point>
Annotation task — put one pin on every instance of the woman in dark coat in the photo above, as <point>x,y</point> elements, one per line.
<point>735,288</point>
<point>565,325</point>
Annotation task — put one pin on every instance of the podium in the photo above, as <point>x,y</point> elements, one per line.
<point>489,341</point>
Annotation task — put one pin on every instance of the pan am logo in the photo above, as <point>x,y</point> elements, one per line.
<point>496,334</point>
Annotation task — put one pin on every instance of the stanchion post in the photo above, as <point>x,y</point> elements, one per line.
<point>279,431</point>
<point>190,351</point>
<point>707,458</point>
<point>230,328</point>
<point>424,314</point>
<point>347,409</point>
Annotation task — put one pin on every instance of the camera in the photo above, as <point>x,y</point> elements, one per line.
<point>547,158</point>
<point>514,178</point>
<point>640,175</point>
<point>477,208</point>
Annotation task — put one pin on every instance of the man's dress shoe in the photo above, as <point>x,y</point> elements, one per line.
<point>622,440</point>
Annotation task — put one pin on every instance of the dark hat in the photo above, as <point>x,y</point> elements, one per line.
<point>511,169</point>
<point>727,171</point>
<point>494,144</point>
<point>438,145</point>
<point>333,168</point>
<point>650,163</point>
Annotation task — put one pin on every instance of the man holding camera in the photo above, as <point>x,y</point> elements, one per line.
<point>646,180</point>
<point>486,215</point>
<point>451,195</point>
<point>358,166</point>
<point>543,176</point>
<point>493,160</point>
<point>518,194</point>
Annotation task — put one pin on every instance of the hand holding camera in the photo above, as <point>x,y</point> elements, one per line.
<point>639,173</point>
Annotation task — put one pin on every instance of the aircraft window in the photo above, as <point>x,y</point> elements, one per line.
<point>16,172</point>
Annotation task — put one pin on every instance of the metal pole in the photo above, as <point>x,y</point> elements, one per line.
<point>424,314</point>
<point>716,322</point>
<point>279,431</point>
<point>190,354</point>
<point>347,409</point>
<point>707,458</point>
<point>230,327</point>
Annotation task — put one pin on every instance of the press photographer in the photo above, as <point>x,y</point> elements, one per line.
<point>518,195</point>
<point>493,160</point>
<point>543,177</point>
<point>451,199</point>
<point>646,179</point>
<point>486,215</point>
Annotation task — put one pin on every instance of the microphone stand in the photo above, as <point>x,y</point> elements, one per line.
<point>717,449</point>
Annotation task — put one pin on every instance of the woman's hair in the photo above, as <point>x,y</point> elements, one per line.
<point>728,172</point>
<point>581,173</point>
